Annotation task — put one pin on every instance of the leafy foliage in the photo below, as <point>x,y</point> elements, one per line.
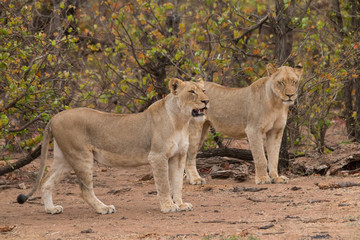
<point>118,55</point>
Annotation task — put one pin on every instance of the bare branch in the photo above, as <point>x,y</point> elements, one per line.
<point>252,28</point>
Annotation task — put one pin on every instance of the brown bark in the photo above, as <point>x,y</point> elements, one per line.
<point>355,22</point>
<point>22,162</point>
<point>227,152</point>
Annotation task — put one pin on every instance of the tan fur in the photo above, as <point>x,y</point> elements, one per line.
<point>158,136</point>
<point>258,112</point>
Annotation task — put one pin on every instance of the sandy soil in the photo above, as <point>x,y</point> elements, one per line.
<point>297,210</point>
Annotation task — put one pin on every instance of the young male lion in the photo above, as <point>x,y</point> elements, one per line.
<point>158,136</point>
<point>258,112</point>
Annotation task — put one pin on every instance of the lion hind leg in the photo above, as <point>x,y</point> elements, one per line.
<point>59,170</point>
<point>83,168</point>
<point>87,193</point>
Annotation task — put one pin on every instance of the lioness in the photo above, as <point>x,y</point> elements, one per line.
<point>258,111</point>
<point>158,136</point>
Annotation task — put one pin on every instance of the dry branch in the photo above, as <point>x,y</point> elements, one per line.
<point>22,162</point>
<point>337,185</point>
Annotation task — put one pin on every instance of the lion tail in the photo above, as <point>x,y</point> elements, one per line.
<point>22,198</point>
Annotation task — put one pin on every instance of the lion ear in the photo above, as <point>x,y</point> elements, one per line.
<point>201,83</point>
<point>299,69</point>
<point>270,69</point>
<point>174,85</point>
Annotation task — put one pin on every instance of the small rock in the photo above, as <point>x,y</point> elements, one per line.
<point>295,188</point>
<point>147,177</point>
<point>207,189</point>
<point>116,192</point>
<point>87,231</point>
<point>22,186</point>
<point>343,204</point>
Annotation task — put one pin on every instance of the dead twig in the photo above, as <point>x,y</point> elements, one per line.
<point>254,200</point>
<point>4,229</point>
<point>337,185</point>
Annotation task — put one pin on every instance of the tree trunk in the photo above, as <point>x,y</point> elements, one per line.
<point>347,98</point>
<point>357,109</point>
<point>352,103</point>
<point>282,51</point>
<point>355,22</point>
<point>283,34</point>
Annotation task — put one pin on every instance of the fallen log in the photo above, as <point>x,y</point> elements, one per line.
<point>350,162</point>
<point>22,162</point>
<point>207,163</point>
<point>344,160</point>
<point>242,154</point>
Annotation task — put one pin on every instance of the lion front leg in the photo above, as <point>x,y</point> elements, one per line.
<point>160,166</point>
<point>176,170</point>
<point>192,174</point>
<point>273,143</point>
<point>257,150</point>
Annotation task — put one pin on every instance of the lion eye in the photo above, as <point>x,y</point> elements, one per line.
<point>192,91</point>
<point>281,83</point>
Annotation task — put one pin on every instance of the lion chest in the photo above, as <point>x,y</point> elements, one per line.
<point>178,143</point>
<point>276,120</point>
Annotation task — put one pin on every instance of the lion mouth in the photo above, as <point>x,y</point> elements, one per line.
<point>198,112</point>
<point>288,101</point>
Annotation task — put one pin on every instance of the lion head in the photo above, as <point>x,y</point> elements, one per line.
<point>190,96</point>
<point>285,82</point>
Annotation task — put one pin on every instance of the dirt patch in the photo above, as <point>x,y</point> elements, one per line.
<point>222,208</point>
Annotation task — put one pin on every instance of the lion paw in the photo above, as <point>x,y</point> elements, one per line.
<point>167,208</point>
<point>198,181</point>
<point>280,179</point>
<point>55,210</point>
<point>262,180</point>
<point>106,209</point>
<point>186,207</point>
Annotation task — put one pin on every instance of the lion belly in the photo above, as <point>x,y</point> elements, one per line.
<point>127,159</point>
<point>230,129</point>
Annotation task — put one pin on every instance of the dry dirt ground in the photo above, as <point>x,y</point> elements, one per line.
<point>223,209</point>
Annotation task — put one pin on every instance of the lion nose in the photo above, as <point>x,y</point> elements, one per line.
<point>205,101</point>
<point>289,95</point>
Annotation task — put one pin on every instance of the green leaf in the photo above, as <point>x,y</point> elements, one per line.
<point>3,66</point>
<point>45,116</point>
